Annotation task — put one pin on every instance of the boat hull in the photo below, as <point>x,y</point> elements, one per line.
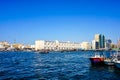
<point>98,61</point>
<point>109,63</point>
<point>117,65</point>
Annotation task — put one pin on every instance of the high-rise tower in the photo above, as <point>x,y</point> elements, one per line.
<point>100,40</point>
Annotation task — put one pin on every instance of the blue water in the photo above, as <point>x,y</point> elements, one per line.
<point>53,66</point>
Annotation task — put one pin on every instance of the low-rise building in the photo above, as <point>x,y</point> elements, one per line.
<point>32,46</point>
<point>1,47</point>
<point>85,45</point>
<point>17,46</point>
<point>113,46</point>
<point>55,45</point>
<point>4,44</point>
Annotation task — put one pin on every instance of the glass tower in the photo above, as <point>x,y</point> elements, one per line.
<point>100,41</point>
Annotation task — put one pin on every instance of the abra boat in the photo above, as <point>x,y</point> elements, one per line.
<point>97,59</point>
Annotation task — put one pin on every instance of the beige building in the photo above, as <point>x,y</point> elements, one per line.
<point>1,46</point>
<point>99,41</point>
<point>18,46</point>
<point>4,44</point>
<point>97,37</point>
<point>85,45</point>
<point>55,45</point>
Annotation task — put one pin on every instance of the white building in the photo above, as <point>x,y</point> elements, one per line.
<point>4,45</point>
<point>93,44</point>
<point>85,45</point>
<point>55,45</point>
<point>1,46</point>
<point>32,46</point>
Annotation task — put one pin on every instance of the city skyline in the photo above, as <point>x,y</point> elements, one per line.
<point>73,20</point>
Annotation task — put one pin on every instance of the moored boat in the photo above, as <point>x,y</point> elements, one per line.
<point>108,62</point>
<point>43,51</point>
<point>117,61</point>
<point>117,58</point>
<point>117,64</point>
<point>97,59</point>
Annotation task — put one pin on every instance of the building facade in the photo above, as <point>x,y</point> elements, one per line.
<point>85,45</point>
<point>4,44</point>
<point>100,41</point>
<point>56,45</point>
<point>95,45</point>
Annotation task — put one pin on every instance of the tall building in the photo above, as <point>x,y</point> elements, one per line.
<point>95,45</point>
<point>96,42</point>
<point>97,37</point>
<point>100,41</point>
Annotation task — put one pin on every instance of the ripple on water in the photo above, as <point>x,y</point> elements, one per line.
<point>53,66</point>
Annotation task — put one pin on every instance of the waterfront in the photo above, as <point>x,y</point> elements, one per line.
<point>53,66</point>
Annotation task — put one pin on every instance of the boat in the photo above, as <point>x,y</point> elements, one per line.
<point>109,62</point>
<point>117,64</point>
<point>42,51</point>
<point>97,59</point>
<point>117,61</point>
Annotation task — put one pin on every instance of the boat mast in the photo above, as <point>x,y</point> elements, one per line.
<point>117,45</point>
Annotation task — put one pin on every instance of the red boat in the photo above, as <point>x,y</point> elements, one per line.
<point>97,59</point>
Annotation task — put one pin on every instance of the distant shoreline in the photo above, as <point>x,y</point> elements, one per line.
<point>57,51</point>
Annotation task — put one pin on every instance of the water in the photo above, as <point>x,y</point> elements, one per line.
<point>53,66</point>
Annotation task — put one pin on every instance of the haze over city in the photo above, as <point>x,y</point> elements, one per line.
<point>65,20</point>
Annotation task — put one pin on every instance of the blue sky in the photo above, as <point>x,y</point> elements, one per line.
<point>66,20</point>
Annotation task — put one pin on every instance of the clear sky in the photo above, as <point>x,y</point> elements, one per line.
<point>25,21</point>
